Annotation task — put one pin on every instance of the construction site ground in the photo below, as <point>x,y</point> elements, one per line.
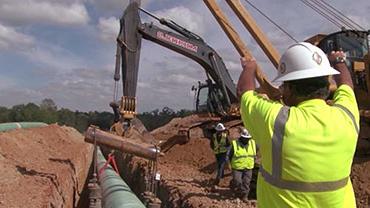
<point>43,167</point>
<point>187,172</point>
<point>49,166</point>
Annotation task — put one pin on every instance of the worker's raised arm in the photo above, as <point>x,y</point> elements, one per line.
<point>337,60</point>
<point>248,76</point>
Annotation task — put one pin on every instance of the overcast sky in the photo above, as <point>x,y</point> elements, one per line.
<point>65,49</point>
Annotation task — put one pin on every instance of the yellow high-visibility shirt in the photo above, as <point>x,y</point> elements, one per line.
<point>219,146</point>
<point>243,157</point>
<point>306,158</point>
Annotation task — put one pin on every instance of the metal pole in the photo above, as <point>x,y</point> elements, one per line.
<point>125,144</point>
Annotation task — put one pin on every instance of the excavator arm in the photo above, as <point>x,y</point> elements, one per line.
<point>221,88</point>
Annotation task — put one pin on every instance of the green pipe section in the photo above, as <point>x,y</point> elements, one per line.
<point>115,192</point>
<point>19,125</point>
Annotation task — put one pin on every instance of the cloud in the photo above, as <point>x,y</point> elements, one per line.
<point>23,95</point>
<point>114,5</point>
<point>52,57</point>
<point>41,53</point>
<point>79,89</point>
<point>6,82</point>
<point>170,79</point>
<point>361,20</point>
<point>10,39</point>
<point>20,12</point>
<point>108,28</point>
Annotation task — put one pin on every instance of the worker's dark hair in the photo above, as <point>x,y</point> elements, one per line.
<point>317,87</point>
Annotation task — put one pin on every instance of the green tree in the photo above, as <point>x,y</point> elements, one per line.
<point>47,112</point>
<point>4,114</point>
<point>31,112</point>
<point>48,104</point>
<point>66,117</point>
<point>16,113</point>
<point>81,122</point>
<point>104,119</point>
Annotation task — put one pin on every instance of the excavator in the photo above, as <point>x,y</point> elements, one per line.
<point>216,99</point>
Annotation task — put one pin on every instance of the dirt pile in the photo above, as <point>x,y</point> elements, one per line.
<point>43,167</point>
<point>361,180</point>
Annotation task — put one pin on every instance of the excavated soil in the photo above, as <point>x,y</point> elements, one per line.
<point>361,180</point>
<point>43,167</point>
<point>187,172</point>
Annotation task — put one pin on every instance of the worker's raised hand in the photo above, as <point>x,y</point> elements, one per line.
<point>247,76</point>
<point>248,63</point>
<point>337,57</point>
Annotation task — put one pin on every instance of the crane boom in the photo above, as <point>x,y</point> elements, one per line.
<point>234,37</point>
<point>255,31</point>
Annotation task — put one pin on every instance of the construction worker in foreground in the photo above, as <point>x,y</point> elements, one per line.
<point>306,145</point>
<point>220,143</point>
<point>242,154</point>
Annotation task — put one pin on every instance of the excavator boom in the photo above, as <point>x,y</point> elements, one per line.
<point>180,40</point>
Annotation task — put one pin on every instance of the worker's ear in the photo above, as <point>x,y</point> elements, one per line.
<point>287,88</point>
<point>287,94</point>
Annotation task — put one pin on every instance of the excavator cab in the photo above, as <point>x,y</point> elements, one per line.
<point>209,99</point>
<point>201,98</point>
<point>353,43</point>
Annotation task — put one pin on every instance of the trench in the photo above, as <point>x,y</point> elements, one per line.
<point>174,192</point>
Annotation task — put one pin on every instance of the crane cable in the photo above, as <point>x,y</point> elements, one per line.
<point>340,13</point>
<point>270,20</point>
<point>322,8</point>
<point>336,17</point>
<point>317,10</point>
<point>334,14</point>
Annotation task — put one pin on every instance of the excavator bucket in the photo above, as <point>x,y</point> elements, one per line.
<point>129,41</point>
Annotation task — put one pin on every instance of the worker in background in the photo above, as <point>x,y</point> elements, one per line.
<point>242,154</point>
<point>220,143</point>
<point>307,146</point>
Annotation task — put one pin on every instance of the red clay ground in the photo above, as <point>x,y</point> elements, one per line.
<point>361,180</point>
<point>187,172</point>
<point>43,167</point>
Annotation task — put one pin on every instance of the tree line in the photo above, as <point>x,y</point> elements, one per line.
<point>49,113</point>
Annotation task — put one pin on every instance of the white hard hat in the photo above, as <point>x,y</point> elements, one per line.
<point>245,134</point>
<point>303,60</point>
<point>220,127</point>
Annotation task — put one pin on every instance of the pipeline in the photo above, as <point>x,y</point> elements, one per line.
<point>115,192</point>
<point>18,125</point>
<point>124,144</point>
